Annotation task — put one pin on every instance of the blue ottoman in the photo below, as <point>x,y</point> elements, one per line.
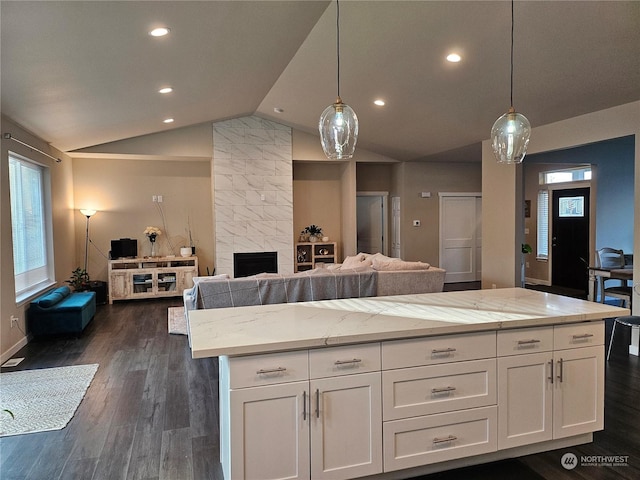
<point>61,311</point>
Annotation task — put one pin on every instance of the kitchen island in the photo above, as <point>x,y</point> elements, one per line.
<point>394,387</point>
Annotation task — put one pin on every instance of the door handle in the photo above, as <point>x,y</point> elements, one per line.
<point>317,403</point>
<point>304,405</point>
<point>551,370</point>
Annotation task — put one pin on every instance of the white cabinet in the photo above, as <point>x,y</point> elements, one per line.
<point>554,394</point>
<point>150,277</point>
<point>281,422</point>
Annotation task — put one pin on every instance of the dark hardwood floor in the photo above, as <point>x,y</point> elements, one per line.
<point>152,411</point>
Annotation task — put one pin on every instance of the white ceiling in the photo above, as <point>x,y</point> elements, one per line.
<point>83,73</point>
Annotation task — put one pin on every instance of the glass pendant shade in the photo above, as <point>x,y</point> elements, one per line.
<point>510,137</point>
<point>338,127</point>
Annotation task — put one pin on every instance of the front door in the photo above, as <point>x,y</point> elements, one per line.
<point>570,238</point>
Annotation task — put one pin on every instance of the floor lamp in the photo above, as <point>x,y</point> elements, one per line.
<point>87,213</point>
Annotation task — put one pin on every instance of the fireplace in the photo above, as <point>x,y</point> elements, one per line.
<point>245,264</point>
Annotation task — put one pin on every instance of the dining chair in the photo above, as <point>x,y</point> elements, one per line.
<point>612,258</point>
<point>628,321</point>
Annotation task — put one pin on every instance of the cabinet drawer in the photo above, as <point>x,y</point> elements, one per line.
<point>350,359</point>
<point>268,369</point>
<point>434,350</point>
<point>525,340</point>
<point>411,392</point>
<point>435,438</point>
<point>578,335</point>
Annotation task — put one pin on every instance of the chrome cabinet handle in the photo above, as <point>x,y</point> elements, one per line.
<point>560,369</point>
<point>528,342</point>
<point>449,438</point>
<point>551,367</point>
<point>582,336</point>
<point>443,390</point>
<point>271,370</point>
<point>317,403</point>
<point>304,405</point>
<point>347,362</point>
<point>436,351</point>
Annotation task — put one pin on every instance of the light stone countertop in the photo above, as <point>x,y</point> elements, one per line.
<point>271,328</point>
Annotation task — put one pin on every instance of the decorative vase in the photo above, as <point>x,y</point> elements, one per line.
<point>313,238</point>
<point>152,239</point>
<point>185,251</point>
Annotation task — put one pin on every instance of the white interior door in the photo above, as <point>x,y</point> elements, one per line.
<point>371,222</point>
<point>460,236</point>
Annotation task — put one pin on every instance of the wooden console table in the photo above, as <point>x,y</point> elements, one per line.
<point>148,277</point>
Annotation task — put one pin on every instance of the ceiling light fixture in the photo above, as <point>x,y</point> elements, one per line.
<point>510,133</point>
<point>165,90</point>
<point>338,123</point>
<point>453,58</point>
<point>379,102</point>
<point>168,120</point>
<point>159,32</point>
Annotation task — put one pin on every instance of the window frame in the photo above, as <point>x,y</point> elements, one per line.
<point>25,294</point>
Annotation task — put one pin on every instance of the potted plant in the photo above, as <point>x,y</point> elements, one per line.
<point>79,280</point>
<point>314,232</point>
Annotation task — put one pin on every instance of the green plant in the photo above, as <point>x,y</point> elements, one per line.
<point>79,280</point>
<point>526,248</point>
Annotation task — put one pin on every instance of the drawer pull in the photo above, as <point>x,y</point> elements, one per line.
<point>449,438</point>
<point>262,371</point>
<point>347,362</point>
<point>528,342</point>
<point>438,351</point>
<point>443,390</point>
<point>582,336</point>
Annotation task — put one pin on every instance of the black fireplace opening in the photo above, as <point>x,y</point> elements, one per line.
<point>245,264</point>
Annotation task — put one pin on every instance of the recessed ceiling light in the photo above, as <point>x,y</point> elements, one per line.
<point>168,120</point>
<point>165,90</point>
<point>454,58</point>
<point>278,110</point>
<point>379,102</point>
<point>159,32</point>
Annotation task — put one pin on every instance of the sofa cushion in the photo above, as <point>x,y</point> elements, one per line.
<point>353,261</point>
<point>395,264</point>
<point>53,297</point>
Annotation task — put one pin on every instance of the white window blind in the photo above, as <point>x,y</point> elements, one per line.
<point>542,250</point>
<point>32,262</point>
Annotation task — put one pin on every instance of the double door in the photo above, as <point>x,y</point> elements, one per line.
<point>550,395</point>
<point>322,428</point>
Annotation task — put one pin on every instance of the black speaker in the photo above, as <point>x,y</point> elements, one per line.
<point>101,291</point>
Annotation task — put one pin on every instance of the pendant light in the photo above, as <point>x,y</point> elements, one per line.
<point>510,134</point>
<point>338,123</point>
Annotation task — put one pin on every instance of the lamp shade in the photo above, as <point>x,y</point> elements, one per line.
<point>87,212</point>
<point>510,137</point>
<point>338,127</point>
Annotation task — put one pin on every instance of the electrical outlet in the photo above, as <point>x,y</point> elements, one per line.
<point>159,198</point>
<point>14,321</point>
<point>154,198</point>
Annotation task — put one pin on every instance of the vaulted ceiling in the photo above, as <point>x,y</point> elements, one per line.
<point>83,73</point>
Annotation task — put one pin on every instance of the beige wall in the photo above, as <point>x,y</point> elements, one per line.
<point>422,243</point>
<point>63,230</point>
<point>121,191</point>
<point>317,198</point>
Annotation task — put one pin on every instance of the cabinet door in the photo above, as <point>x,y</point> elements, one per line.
<point>346,426</point>
<point>119,286</point>
<point>525,396</point>
<point>578,403</point>
<point>270,432</point>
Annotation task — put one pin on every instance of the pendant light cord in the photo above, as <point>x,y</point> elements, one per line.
<point>338,42</point>
<point>511,99</point>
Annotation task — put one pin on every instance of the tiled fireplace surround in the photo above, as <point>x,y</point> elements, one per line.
<point>253,191</point>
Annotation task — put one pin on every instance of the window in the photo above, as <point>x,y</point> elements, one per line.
<point>30,226</point>
<point>542,251</point>
<point>566,175</point>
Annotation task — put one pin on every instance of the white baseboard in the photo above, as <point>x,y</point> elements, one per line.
<point>13,349</point>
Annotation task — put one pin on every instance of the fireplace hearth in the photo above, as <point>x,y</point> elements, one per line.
<point>245,264</point>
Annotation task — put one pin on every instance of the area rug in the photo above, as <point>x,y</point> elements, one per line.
<point>177,322</point>
<point>42,400</point>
